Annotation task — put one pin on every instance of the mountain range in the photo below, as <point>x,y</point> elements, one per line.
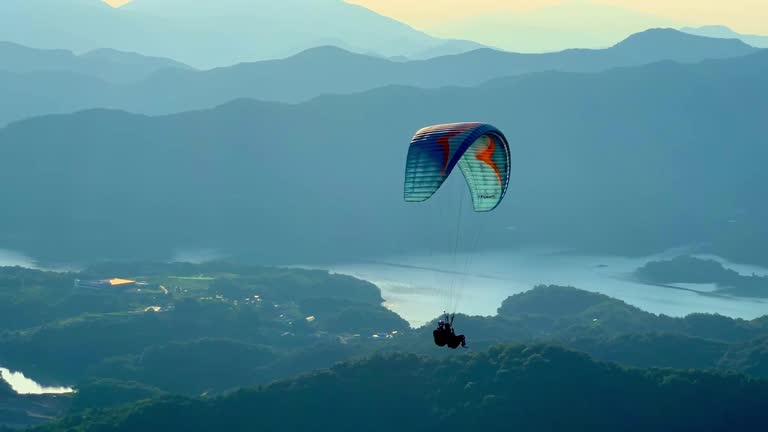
<point>630,160</point>
<point>59,82</point>
<point>242,31</point>
<point>103,64</point>
<point>274,135</point>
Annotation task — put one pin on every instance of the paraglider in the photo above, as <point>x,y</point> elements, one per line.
<point>482,154</point>
<point>480,150</point>
<point>444,334</point>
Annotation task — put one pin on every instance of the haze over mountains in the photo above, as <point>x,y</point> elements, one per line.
<point>170,87</point>
<point>104,64</point>
<point>726,33</point>
<point>552,27</point>
<point>262,137</point>
<point>242,30</point>
<point>628,160</point>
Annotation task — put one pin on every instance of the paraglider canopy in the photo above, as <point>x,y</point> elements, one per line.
<point>480,150</point>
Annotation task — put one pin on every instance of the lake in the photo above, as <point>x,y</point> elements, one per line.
<point>419,288</point>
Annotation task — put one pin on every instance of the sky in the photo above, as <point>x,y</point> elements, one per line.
<point>746,16</point>
<point>551,25</point>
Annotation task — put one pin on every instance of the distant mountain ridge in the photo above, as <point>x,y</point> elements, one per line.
<point>242,31</point>
<point>673,44</point>
<point>105,64</point>
<point>551,25</point>
<point>598,165</point>
<point>726,33</point>
<point>331,70</point>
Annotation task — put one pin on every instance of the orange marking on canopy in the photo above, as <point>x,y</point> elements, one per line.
<point>486,156</point>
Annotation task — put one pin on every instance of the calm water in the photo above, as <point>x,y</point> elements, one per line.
<point>419,288</point>
<point>20,383</point>
<point>24,385</point>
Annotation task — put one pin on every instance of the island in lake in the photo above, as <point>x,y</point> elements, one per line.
<point>689,269</point>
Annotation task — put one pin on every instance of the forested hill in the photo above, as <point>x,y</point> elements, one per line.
<point>521,388</point>
<point>103,64</point>
<point>214,328</point>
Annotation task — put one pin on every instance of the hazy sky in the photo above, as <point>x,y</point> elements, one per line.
<point>746,16</point>
<point>550,25</point>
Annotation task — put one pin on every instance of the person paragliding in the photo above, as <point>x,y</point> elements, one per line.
<point>440,334</point>
<point>445,335</point>
<point>482,153</point>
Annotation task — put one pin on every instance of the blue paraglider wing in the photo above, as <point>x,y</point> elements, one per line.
<point>480,150</point>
